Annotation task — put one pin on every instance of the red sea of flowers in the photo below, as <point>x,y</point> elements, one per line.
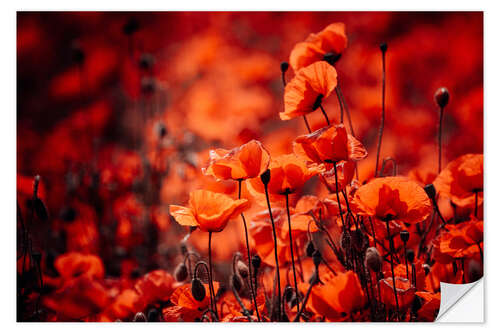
<point>168,163</point>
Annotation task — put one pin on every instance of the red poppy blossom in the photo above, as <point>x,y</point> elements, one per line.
<point>393,198</point>
<point>210,211</point>
<point>304,93</point>
<point>247,161</point>
<point>404,289</point>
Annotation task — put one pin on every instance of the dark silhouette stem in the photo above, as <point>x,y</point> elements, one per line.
<point>291,249</point>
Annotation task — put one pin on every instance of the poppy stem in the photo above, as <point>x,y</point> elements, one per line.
<point>306,298</point>
<point>348,114</point>
<point>480,251</point>
<point>340,104</point>
<point>440,146</point>
<point>275,250</point>
<point>406,260</point>
<point>337,193</point>
<point>475,203</point>
<point>324,114</point>
<point>210,281</point>
<point>391,249</point>
<point>307,124</point>
<point>252,290</point>
<point>383,48</point>
<point>291,249</point>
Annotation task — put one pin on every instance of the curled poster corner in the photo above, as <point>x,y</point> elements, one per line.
<point>452,294</point>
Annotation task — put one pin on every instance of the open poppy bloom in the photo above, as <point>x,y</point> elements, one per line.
<point>393,198</point>
<point>462,179</point>
<point>288,174</point>
<point>155,286</point>
<point>247,161</point>
<point>304,93</point>
<point>208,210</point>
<point>329,144</point>
<point>460,241</point>
<point>345,174</point>
<point>404,288</point>
<point>330,41</point>
<point>74,264</point>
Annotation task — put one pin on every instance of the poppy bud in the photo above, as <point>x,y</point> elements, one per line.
<point>181,272</point>
<point>37,257</point>
<point>358,240</point>
<point>131,26</point>
<point>288,293</point>
<point>383,47</point>
<point>442,96</point>
<point>198,290</point>
<point>310,249</point>
<point>40,209</point>
<point>427,268</point>
<point>242,269</point>
<point>405,235</point>
<point>236,282</point>
<point>139,317</point>
<point>153,315</point>
<point>317,258</point>
<point>416,304</point>
<point>410,255</point>
<point>430,190</point>
<point>373,259</point>
<point>161,130</point>
<point>256,261</point>
<point>184,249</point>
<point>266,177</point>
<point>345,240</point>
<point>284,66</point>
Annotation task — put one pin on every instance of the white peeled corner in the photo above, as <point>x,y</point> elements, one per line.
<point>462,303</point>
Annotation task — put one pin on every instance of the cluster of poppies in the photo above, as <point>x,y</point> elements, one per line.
<point>311,221</point>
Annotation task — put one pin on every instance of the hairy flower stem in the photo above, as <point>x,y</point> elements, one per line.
<point>325,115</point>
<point>275,250</point>
<point>252,290</point>
<point>440,143</point>
<point>382,119</point>
<point>210,277</point>
<point>291,249</point>
<point>391,250</point>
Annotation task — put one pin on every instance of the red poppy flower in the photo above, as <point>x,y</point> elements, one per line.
<point>304,93</point>
<point>73,264</point>
<point>460,241</point>
<point>345,174</point>
<point>247,161</point>
<point>288,175</point>
<point>462,179</point>
<point>393,198</point>
<point>404,289</point>
<point>329,144</point>
<point>332,40</point>
<point>208,210</point>
<point>155,286</point>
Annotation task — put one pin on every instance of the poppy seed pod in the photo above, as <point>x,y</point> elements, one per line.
<point>345,240</point>
<point>405,235</point>
<point>242,269</point>
<point>256,261</point>
<point>310,249</point>
<point>442,97</point>
<point>139,317</point>
<point>317,258</point>
<point>430,190</point>
<point>373,259</point>
<point>410,255</point>
<point>198,290</point>
<point>181,272</point>
<point>265,177</point>
<point>383,47</point>
<point>284,66</point>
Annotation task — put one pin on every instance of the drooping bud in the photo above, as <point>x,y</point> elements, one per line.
<point>310,249</point>
<point>198,290</point>
<point>139,317</point>
<point>236,282</point>
<point>181,272</point>
<point>345,240</point>
<point>256,261</point>
<point>430,190</point>
<point>317,258</point>
<point>242,269</point>
<point>442,97</point>
<point>265,177</point>
<point>373,260</point>
<point>405,235</point>
<point>284,66</point>
<point>40,209</point>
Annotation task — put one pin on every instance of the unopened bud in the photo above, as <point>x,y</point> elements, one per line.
<point>430,190</point>
<point>410,255</point>
<point>373,259</point>
<point>288,293</point>
<point>139,317</point>
<point>317,258</point>
<point>427,268</point>
<point>442,96</point>
<point>265,177</point>
<point>242,269</point>
<point>284,66</point>
<point>181,272</point>
<point>198,290</point>
<point>236,282</point>
<point>405,235</point>
<point>383,47</point>
<point>310,249</point>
